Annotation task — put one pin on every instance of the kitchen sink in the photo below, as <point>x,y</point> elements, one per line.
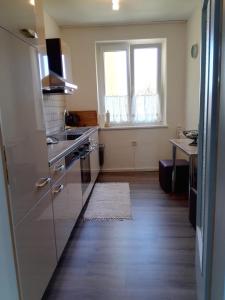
<point>79,130</point>
<point>67,136</point>
<point>71,133</point>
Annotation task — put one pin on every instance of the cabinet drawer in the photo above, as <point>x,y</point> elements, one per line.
<point>57,170</point>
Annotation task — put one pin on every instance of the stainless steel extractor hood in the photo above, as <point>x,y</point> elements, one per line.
<point>60,76</point>
<point>55,84</point>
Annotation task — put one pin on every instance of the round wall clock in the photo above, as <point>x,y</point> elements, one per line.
<point>194,51</point>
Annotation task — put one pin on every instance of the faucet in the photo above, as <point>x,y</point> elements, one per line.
<point>66,113</point>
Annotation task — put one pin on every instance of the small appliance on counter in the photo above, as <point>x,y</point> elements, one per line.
<point>71,119</point>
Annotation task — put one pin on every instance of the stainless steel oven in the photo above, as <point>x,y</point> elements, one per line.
<point>84,151</point>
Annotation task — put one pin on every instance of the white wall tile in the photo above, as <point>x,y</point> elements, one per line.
<point>54,106</point>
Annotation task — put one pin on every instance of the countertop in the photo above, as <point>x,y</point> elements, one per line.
<point>183,144</point>
<point>62,148</point>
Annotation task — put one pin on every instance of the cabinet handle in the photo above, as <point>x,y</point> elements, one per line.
<point>59,168</point>
<point>29,33</point>
<point>43,182</point>
<point>58,189</point>
<point>94,147</point>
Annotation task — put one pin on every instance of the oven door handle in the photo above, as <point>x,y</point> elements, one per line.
<point>86,155</point>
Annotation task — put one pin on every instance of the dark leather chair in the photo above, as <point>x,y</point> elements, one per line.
<point>182,175</point>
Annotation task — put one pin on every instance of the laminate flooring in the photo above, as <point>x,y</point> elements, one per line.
<point>148,258</point>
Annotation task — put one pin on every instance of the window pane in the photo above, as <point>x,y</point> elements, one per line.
<point>146,100</point>
<point>116,89</point>
<point>115,67</point>
<point>145,71</point>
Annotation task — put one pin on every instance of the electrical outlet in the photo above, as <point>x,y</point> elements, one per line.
<point>134,143</point>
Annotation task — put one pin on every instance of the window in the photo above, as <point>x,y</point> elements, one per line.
<point>130,84</point>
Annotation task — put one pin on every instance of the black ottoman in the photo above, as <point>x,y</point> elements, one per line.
<point>182,175</point>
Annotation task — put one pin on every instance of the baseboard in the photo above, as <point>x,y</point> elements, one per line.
<point>153,169</point>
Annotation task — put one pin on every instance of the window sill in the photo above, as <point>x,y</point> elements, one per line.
<point>133,127</point>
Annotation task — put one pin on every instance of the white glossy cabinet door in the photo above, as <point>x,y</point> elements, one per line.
<point>67,204</point>
<point>63,214</point>
<point>19,15</point>
<point>22,124</point>
<point>94,157</point>
<point>35,248</point>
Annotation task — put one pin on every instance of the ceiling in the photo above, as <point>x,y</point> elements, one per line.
<point>99,12</point>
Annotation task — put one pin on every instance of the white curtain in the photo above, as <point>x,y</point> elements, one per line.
<point>146,109</point>
<point>118,108</point>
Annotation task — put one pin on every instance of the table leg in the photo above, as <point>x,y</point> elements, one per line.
<point>174,169</point>
<point>191,160</point>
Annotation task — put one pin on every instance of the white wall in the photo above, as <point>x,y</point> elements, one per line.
<point>193,70</point>
<point>152,144</point>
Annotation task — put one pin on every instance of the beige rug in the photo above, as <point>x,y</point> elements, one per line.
<point>109,201</point>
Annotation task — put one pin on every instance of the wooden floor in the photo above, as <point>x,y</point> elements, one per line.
<point>148,258</point>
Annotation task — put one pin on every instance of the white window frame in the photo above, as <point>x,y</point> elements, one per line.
<point>129,47</point>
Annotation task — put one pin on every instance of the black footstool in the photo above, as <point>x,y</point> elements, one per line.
<point>182,175</point>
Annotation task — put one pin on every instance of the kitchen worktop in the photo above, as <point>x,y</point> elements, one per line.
<point>62,148</point>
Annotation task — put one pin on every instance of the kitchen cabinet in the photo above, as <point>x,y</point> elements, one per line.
<point>67,204</point>
<point>35,248</point>
<point>24,18</point>
<point>94,156</point>
<point>25,149</point>
<point>22,125</point>
<point>63,214</point>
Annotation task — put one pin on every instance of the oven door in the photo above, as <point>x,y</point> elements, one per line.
<point>85,171</point>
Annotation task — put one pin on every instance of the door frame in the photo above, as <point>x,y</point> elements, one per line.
<point>218,260</point>
<point>208,136</point>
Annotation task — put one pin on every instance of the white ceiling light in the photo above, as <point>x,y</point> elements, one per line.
<point>115,5</point>
<point>32,2</point>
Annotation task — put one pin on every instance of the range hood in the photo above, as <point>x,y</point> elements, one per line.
<point>60,76</point>
<point>55,84</point>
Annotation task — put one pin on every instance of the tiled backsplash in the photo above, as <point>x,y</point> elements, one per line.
<point>54,106</point>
